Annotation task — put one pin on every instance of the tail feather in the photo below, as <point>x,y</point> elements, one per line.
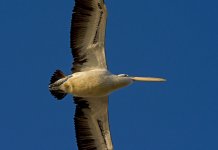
<point>58,74</point>
<point>59,94</point>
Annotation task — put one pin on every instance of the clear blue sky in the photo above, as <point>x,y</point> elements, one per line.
<point>175,39</point>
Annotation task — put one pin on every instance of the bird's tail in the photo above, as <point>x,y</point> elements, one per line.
<point>54,85</point>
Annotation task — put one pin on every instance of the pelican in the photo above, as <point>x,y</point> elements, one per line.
<point>90,82</point>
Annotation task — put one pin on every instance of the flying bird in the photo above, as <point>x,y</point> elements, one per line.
<point>90,82</point>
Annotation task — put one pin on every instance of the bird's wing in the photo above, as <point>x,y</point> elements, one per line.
<point>88,35</point>
<point>91,123</point>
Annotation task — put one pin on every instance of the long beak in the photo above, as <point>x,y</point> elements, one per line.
<point>148,79</point>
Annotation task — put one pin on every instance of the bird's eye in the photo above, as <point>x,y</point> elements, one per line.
<point>123,75</point>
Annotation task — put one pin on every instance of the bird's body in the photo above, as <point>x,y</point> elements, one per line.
<point>94,83</point>
<point>90,82</point>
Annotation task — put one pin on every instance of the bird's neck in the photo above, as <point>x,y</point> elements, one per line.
<point>119,82</point>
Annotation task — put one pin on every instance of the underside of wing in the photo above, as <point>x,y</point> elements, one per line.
<point>88,35</point>
<point>91,124</point>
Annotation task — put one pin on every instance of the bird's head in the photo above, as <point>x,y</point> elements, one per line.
<point>122,75</point>
<point>144,79</point>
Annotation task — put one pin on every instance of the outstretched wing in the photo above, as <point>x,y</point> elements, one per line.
<point>91,123</point>
<point>88,35</point>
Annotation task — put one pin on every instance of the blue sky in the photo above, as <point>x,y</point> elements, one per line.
<point>174,39</point>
